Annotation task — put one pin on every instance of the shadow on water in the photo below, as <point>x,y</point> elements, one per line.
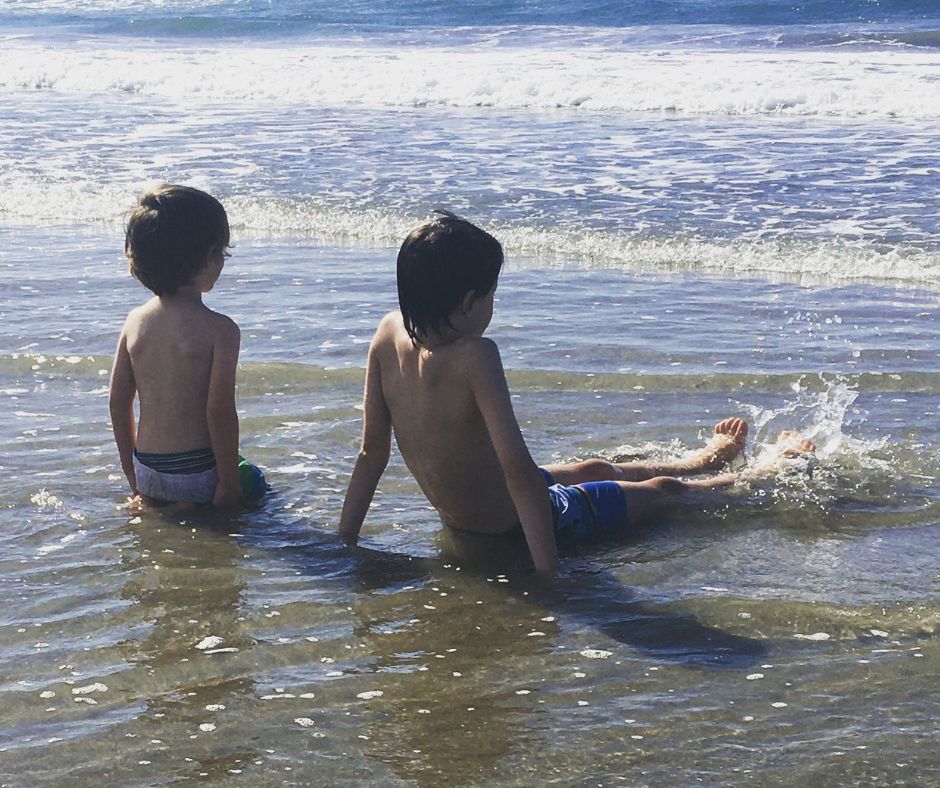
<point>455,669</point>
<point>598,600</point>
<point>448,639</point>
<point>586,594</point>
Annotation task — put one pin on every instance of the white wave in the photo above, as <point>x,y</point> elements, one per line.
<point>37,7</point>
<point>592,77</point>
<point>807,260</point>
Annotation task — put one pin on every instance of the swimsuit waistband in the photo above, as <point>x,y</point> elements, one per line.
<point>196,461</point>
<point>513,531</point>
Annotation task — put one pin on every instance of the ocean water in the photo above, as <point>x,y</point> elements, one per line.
<point>710,207</point>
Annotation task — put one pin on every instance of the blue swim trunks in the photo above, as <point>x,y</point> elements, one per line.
<point>586,512</point>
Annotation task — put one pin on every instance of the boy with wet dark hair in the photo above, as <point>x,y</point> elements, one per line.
<point>431,285</point>
<point>179,357</point>
<point>439,384</point>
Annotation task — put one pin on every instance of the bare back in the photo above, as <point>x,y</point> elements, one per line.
<point>440,430</point>
<point>170,343</point>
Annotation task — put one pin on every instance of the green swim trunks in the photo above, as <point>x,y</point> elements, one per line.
<point>254,486</point>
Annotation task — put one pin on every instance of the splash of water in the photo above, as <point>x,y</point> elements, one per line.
<point>817,415</point>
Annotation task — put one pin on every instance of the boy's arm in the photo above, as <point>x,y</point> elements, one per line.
<point>526,484</point>
<point>121,395</point>
<point>221,415</point>
<point>373,454</point>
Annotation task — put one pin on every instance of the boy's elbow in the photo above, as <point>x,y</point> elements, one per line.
<point>221,414</point>
<point>119,404</point>
<point>520,471</point>
<point>375,457</point>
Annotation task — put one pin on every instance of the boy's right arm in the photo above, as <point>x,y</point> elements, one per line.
<point>526,484</point>
<point>221,414</point>
<point>122,390</point>
<point>373,454</point>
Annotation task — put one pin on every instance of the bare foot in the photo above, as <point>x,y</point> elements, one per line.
<point>792,446</point>
<point>726,444</point>
<point>788,446</point>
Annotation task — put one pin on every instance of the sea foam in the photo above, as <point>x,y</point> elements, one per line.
<point>593,77</point>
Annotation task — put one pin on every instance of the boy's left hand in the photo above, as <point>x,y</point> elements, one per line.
<point>226,497</point>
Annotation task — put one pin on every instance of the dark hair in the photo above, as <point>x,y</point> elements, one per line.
<point>438,264</point>
<point>170,234</point>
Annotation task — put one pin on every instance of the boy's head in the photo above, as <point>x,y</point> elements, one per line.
<point>439,264</point>
<point>171,234</point>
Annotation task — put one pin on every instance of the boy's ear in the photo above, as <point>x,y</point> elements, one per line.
<point>466,303</point>
<point>215,258</point>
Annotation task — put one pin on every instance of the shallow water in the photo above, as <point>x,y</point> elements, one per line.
<point>784,632</point>
<point>711,207</point>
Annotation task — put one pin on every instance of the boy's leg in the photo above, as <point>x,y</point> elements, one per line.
<point>653,495</point>
<point>726,443</point>
<point>646,497</point>
<point>609,509</point>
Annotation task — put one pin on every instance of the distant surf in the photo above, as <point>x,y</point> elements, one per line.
<point>607,75</point>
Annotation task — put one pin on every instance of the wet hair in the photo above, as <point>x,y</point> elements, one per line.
<point>170,234</point>
<point>438,264</point>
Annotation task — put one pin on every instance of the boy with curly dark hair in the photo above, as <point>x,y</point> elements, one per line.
<point>179,358</point>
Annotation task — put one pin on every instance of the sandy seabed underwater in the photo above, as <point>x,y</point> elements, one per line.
<point>709,209</point>
<point>784,633</point>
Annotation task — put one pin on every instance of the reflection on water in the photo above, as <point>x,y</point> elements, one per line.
<point>788,630</point>
<point>261,646</point>
<point>186,602</point>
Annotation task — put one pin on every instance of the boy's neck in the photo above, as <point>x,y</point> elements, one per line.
<point>434,340</point>
<point>190,293</point>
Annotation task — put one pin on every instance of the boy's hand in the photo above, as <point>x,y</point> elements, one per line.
<point>226,497</point>
<point>543,579</point>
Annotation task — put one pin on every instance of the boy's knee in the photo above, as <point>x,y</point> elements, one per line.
<point>667,485</point>
<point>600,470</point>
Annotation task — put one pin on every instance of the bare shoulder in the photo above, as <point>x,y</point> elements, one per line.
<point>390,327</point>
<point>388,334</point>
<point>139,314</point>
<point>479,354</point>
<point>223,328</point>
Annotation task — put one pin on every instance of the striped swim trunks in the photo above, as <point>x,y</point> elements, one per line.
<point>190,477</point>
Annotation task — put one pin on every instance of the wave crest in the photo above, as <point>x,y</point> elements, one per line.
<point>598,78</point>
